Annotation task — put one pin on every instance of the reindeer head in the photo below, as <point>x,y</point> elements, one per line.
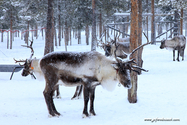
<point>27,69</point>
<point>162,46</point>
<point>125,66</point>
<point>123,69</point>
<point>108,46</point>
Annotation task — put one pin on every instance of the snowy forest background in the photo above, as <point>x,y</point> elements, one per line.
<point>76,15</point>
<point>161,92</point>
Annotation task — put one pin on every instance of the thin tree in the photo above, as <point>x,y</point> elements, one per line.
<point>140,61</point>
<point>11,22</point>
<point>132,93</point>
<point>49,29</point>
<point>153,22</point>
<point>93,47</point>
<point>181,22</point>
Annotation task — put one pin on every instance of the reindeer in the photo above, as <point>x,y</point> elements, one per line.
<point>31,66</point>
<point>177,43</point>
<point>122,45</point>
<point>127,39</point>
<point>81,68</point>
<point>84,68</point>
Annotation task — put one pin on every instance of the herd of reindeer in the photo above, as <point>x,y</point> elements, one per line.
<point>86,70</point>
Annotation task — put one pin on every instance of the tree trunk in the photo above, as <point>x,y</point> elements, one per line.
<point>11,30</point>
<point>93,46</point>
<point>186,29</point>
<point>132,93</point>
<point>153,23</point>
<point>59,24</point>
<point>181,22</point>
<point>140,61</point>
<point>7,40</point>
<point>49,29</point>
<point>42,33</point>
<point>55,38</point>
<point>70,40</point>
<point>59,30</point>
<point>147,21</point>
<point>36,31</point>
<point>176,28</point>
<point>87,35</point>
<point>66,33</point>
<point>100,24</point>
<point>27,34</point>
<point>65,41</point>
<point>79,36</point>
<point>2,35</point>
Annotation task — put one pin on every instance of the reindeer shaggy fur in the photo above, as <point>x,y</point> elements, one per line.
<point>88,69</point>
<point>121,47</point>
<point>177,43</point>
<point>85,68</point>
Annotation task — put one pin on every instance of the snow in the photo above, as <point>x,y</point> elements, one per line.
<point>161,92</point>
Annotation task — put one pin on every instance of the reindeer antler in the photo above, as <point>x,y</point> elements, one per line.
<point>32,50</point>
<point>130,61</point>
<point>129,55</point>
<point>139,46</point>
<point>16,61</point>
<point>100,40</point>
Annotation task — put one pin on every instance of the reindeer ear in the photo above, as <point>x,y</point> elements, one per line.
<point>115,66</point>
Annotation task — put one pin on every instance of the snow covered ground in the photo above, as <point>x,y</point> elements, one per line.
<point>161,93</point>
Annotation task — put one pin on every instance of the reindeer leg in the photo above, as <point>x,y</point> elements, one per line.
<point>86,99</point>
<point>80,90</point>
<point>58,92</point>
<point>92,97</point>
<point>49,101</point>
<point>76,93</point>
<point>51,82</point>
<point>178,55</point>
<point>173,55</point>
<point>182,54</point>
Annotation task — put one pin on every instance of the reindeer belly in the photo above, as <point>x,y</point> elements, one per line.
<point>69,80</point>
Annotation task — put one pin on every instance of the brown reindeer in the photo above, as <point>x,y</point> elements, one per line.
<point>176,43</point>
<point>123,45</point>
<point>83,68</point>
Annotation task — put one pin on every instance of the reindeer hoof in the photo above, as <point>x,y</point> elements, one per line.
<point>92,113</point>
<point>54,115</point>
<point>85,115</point>
<point>58,97</point>
<point>76,98</point>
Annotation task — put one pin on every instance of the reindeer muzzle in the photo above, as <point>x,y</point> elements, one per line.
<point>25,72</point>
